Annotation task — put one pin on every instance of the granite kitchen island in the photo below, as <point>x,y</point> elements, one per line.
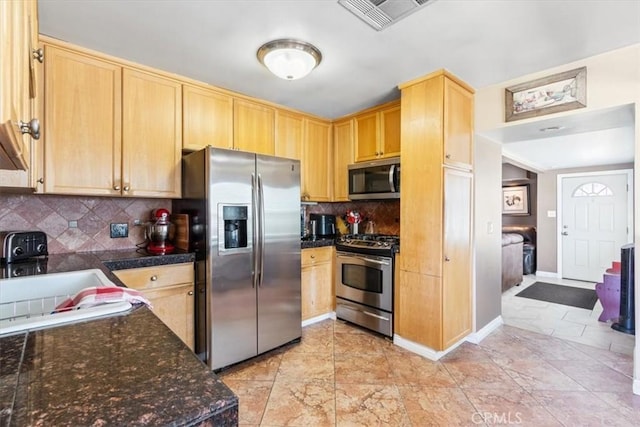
<point>128,369</point>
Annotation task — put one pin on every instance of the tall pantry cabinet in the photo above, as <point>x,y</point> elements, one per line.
<point>433,299</point>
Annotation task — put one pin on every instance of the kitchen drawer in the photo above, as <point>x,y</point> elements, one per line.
<point>156,277</point>
<point>313,256</point>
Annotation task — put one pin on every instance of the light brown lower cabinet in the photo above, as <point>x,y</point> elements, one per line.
<point>170,290</point>
<point>318,293</point>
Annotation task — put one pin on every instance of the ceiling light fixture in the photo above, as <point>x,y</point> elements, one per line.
<point>289,59</point>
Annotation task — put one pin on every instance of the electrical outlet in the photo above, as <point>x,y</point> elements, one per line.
<point>119,230</point>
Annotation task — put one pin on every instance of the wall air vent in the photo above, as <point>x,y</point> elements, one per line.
<point>379,14</point>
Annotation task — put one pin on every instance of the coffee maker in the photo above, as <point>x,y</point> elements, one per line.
<point>325,226</point>
<point>159,233</point>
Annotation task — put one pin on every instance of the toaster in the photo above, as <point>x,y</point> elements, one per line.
<point>22,245</point>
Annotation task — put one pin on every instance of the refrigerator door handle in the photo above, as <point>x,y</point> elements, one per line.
<point>254,237</point>
<point>261,228</point>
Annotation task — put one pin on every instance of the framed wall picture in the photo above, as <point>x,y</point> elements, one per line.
<point>559,92</point>
<point>515,200</point>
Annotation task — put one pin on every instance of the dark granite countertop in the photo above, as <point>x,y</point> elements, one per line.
<point>318,243</point>
<point>127,369</point>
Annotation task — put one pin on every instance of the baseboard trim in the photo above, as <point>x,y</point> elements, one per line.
<point>422,350</point>
<point>330,315</point>
<point>478,336</point>
<point>547,274</point>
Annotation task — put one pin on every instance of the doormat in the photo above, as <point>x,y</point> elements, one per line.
<point>559,294</point>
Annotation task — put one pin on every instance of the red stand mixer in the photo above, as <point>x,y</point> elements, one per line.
<point>159,233</point>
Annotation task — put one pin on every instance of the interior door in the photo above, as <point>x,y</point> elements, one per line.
<point>595,224</point>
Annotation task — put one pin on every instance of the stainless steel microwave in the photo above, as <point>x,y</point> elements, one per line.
<point>379,179</point>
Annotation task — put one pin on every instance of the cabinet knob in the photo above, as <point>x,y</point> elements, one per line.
<point>190,293</point>
<point>447,156</point>
<point>377,154</point>
<point>41,180</point>
<point>32,128</point>
<point>154,278</point>
<point>447,259</point>
<point>313,256</point>
<point>38,55</point>
<point>116,187</point>
<point>126,188</point>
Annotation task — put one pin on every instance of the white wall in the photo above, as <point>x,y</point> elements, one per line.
<point>613,79</point>
<point>488,234</point>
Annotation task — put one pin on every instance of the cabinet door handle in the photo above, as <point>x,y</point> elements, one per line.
<point>41,180</point>
<point>447,259</point>
<point>190,293</point>
<point>38,55</point>
<point>313,256</point>
<point>31,127</point>
<point>126,188</point>
<point>447,156</point>
<point>116,187</point>
<point>154,278</point>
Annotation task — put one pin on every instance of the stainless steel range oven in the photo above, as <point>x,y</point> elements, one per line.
<point>364,281</point>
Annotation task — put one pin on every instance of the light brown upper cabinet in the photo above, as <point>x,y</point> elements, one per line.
<point>18,68</point>
<point>316,165</point>
<point>342,158</point>
<point>377,133</point>
<point>289,134</point>
<point>82,124</point>
<point>433,294</point>
<point>151,135</point>
<point>458,126</point>
<point>308,140</point>
<point>109,130</point>
<point>207,118</point>
<point>253,127</point>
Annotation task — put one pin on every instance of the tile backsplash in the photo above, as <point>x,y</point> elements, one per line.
<point>56,215</point>
<point>385,214</point>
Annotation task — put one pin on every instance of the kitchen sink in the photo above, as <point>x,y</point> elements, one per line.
<point>28,302</point>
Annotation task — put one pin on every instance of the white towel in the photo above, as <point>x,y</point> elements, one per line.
<point>90,297</point>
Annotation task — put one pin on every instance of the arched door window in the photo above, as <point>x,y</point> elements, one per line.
<point>592,189</point>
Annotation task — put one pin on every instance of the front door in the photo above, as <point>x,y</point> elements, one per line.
<point>595,224</point>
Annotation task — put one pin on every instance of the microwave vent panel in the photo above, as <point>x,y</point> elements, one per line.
<point>379,14</point>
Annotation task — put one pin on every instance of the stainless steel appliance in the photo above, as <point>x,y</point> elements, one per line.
<point>379,179</point>
<point>364,280</point>
<point>248,252</point>
<point>23,253</point>
<point>325,225</point>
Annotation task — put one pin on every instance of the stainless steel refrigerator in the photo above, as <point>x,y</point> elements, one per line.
<point>245,229</point>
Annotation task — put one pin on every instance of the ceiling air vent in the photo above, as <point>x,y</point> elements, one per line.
<point>379,14</point>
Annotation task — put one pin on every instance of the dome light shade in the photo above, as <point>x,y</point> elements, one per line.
<point>289,59</point>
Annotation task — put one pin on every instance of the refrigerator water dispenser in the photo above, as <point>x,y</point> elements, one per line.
<point>234,233</point>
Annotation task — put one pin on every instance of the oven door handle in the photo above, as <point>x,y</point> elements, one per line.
<point>375,315</point>
<point>375,261</point>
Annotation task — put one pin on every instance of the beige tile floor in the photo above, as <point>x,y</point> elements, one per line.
<point>568,323</point>
<point>340,375</point>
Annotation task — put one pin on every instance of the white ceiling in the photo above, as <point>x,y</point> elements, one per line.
<point>484,42</point>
